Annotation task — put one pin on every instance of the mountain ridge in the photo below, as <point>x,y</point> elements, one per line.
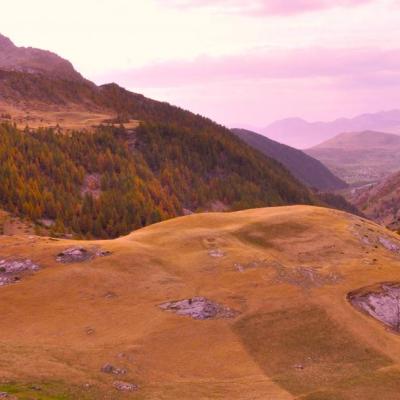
<point>304,167</point>
<point>36,61</point>
<point>360,157</point>
<point>302,134</point>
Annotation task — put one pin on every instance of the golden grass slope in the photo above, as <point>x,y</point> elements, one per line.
<point>287,270</point>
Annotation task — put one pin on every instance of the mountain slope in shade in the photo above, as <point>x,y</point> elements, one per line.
<point>361,157</point>
<point>302,134</point>
<point>380,201</point>
<point>305,168</point>
<point>283,273</point>
<point>35,61</point>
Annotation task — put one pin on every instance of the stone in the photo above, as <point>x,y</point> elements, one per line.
<point>80,254</point>
<point>11,269</point>
<point>381,302</point>
<point>125,386</point>
<point>199,308</point>
<point>217,253</point>
<point>389,244</point>
<point>110,369</point>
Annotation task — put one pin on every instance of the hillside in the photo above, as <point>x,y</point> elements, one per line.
<point>302,134</point>
<point>279,284</point>
<point>107,183</point>
<point>380,201</point>
<point>361,157</point>
<point>144,161</point>
<point>35,61</point>
<point>305,168</point>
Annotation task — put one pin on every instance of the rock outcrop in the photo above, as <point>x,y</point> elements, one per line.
<point>125,386</point>
<point>80,254</point>
<point>12,270</point>
<point>199,308</point>
<point>381,302</point>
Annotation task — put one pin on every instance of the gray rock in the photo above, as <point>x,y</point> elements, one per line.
<point>381,303</point>
<point>110,369</point>
<point>10,270</point>
<point>17,266</point>
<point>125,386</point>
<point>199,308</point>
<point>80,254</point>
<point>389,244</point>
<point>217,253</point>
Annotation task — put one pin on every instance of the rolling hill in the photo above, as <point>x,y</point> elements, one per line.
<point>305,168</point>
<point>360,157</point>
<point>258,304</point>
<point>298,133</point>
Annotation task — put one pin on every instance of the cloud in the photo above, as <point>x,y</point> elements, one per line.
<point>264,7</point>
<point>372,63</point>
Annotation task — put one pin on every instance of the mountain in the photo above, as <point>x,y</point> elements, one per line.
<point>305,168</point>
<point>379,201</point>
<point>35,61</point>
<point>361,157</point>
<point>302,134</point>
<point>144,161</point>
<point>279,303</point>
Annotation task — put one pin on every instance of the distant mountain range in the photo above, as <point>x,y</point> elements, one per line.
<point>304,167</point>
<point>360,158</point>
<point>301,134</point>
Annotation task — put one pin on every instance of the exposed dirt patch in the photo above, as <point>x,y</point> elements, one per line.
<point>381,301</point>
<point>199,308</point>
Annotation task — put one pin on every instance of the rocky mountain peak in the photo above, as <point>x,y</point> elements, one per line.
<point>35,61</point>
<point>5,43</point>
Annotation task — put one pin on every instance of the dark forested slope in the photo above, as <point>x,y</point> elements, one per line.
<point>304,167</point>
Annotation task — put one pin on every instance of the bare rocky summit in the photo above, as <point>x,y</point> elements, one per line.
<point>35,61</point>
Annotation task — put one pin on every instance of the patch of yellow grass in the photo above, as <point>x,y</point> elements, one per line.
<point>62,325</point>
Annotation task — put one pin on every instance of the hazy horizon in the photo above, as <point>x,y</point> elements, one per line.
<point>234,61</point>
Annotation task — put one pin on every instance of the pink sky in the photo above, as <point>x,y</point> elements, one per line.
<point>240,62</point>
